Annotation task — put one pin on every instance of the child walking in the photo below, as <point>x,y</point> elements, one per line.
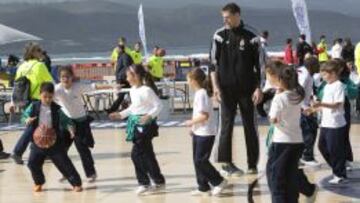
<point>142,128</point>
<point>68,96</point>
<point>309,122</point>
<point>332,141</point>
<point>285,180</point>
<point>203,131</point>
<point>44,119</point>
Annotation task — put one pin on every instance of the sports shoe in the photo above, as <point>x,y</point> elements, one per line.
<point>336,180</point>
<point>252,171</point>
<point>92,178</point>
<point>142,190</point>
<point>230,169</point>
<point>312,163</point>
<point>217,190</point>
<point>198,193</point>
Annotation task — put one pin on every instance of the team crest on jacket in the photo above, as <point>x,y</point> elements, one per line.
<point>242,45</point>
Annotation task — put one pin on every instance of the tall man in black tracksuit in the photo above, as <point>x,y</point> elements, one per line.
<point>236,81</point>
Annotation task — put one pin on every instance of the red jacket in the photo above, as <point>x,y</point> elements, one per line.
<point>289,58</point>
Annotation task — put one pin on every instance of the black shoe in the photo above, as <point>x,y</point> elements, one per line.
<point>4,155</point>
<point>17,159</point>
<point>230,169</point>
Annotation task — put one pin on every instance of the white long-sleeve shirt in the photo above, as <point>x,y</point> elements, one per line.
<point>143,101</point>
<point>306,81</point>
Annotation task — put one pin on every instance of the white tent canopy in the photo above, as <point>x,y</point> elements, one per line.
<point>11,35</point>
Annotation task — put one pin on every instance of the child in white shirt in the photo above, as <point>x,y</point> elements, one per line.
<point>203,130</point>
<point>333,123</point>
<point>142,128</point>
<point>283,174</point>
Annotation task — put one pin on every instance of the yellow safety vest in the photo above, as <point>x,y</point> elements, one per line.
<point>323,56</point>
<point>136,57</point>
<point>115,53</point>
<point>37,75</point>
<point>156,64</point>
<point>357,57</point>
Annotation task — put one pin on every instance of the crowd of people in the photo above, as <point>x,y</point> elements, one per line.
<point>309,81</point>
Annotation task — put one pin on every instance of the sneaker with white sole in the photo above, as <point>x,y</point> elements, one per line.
<point>229,169</point>
<point>198,193</point>
<point>312,163</point>
<point>336,180</point>
<point>142,190</point>
<point>252,171</point>
<point>312,198</point>
<point>217,190</point>
<point>158,188</point>
<point>92,178</point>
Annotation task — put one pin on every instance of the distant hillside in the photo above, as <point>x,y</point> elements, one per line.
<point>94,26</point>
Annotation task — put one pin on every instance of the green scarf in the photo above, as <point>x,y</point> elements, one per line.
<point>132,123</point>
<point>269,136</point>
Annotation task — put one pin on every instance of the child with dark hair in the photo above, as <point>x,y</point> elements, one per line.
<point>203,131</point>
<point>285,180</point>
<point>68,95</point>
<point>45,120</point>
<point>142,128</point>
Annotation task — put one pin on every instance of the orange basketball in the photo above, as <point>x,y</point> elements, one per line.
<point>44,137</point>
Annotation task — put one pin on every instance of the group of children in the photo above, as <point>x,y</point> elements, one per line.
<point>304,97</point>
<point>293,114</point>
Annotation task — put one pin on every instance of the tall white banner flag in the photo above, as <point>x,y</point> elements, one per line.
<point>142,29</point>
<point>302,19</point>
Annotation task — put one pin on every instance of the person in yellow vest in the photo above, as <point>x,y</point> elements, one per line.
<point>322,50</point>
<point>115,52</point>
<point>156,64</point>
<point>136,54</point>
<point>357,58</point>
<point>37,73</point>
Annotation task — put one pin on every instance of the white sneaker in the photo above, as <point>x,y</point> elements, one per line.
<point>157,188</point>
<point>336,180</point>
<point>312,163</point>
<point>312,198</point>
<point>92,178</point>
<point>142,190</point>
<point>217,190</point>
<point>198,193</point>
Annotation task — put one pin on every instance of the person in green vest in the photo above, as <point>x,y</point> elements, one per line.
<point>136,54</point>
<point>115,52</point>
<point>37,73</point>
<point>322,50</point>
<point>156,64</point>
<point>357,58</point>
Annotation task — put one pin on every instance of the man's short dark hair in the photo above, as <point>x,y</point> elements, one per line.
<point>288,40</point>
<point>121,48</point>
<point>322,37</point>
<point>303,37</point>
<point>47,87</point>
<point>233,8</point>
